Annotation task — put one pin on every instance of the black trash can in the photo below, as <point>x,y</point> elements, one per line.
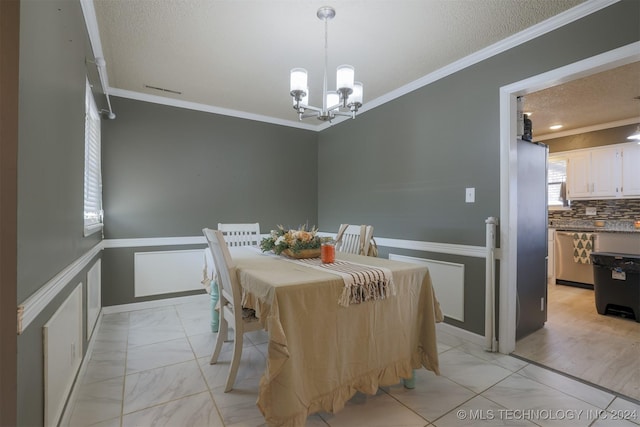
<point>617,283</point>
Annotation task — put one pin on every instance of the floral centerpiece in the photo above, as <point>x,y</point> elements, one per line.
<point>301,243</point>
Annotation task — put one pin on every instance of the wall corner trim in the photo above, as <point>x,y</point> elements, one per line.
<point>32,306</point>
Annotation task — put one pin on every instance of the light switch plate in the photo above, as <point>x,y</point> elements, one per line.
<point>590,211</point>
<point>470,195</point>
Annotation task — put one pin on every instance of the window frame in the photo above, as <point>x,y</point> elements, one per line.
<point>93,215</point>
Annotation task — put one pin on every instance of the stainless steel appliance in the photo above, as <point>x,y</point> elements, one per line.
<point>532,237</point>
<point>569,272</point>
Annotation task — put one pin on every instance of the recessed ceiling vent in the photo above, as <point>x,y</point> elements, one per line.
<point>163,89</point>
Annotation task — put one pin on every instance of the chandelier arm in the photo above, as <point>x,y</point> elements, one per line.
<point>307,115</point>
<point>312,108</point>
<point>343,113</point>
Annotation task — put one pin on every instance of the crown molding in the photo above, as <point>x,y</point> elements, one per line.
<point>155,99</point>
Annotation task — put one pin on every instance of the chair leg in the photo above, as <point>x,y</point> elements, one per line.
<point>215,315</point>
<point>235,359</point>
<point>410,383</point>
<point>222,335</point>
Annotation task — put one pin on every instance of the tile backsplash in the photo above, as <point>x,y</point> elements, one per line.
<point>612,209</point>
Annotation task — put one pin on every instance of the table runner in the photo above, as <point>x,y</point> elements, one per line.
<point>361,282</point>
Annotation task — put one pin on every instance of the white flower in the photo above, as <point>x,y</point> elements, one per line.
<point>279,240</point>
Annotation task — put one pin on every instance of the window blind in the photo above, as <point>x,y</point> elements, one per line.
<point>556,177</point>
<point>92,170</point>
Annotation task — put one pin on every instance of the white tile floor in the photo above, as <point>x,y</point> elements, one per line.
<point>150,367</point>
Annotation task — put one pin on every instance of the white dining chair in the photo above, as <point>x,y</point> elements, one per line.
<point>354,239</point>
<point>232,314</point>
<point>241,234</point>
<point>234,235</point>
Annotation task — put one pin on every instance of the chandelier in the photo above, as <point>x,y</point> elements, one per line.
<point>344,101</point>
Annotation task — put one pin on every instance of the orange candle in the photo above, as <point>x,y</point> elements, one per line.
<point>328,253</point>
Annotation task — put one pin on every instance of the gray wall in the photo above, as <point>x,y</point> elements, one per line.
<point>53,46</point>
<point>417,154</point>
<point>598,138</point>
<point>171,172</point>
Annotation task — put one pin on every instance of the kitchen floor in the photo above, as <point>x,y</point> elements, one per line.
<point>150,367</point>
<point>576,340</point>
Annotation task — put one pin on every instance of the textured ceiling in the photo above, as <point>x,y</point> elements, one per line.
<point>234,56</point>
<point>601,98</point>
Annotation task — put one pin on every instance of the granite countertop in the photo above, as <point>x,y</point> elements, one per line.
<point>617,226</point>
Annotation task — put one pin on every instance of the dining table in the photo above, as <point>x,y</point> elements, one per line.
<point>322,349</point>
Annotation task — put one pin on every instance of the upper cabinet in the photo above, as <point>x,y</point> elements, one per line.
<point>604,172</point>
<point>594,174</point>
<point>631,170</point>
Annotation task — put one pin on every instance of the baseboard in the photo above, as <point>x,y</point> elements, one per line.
<point>122,308</point>
<point>460,333</point>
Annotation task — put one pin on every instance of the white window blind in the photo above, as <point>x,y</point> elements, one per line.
<point>92,170</point>
<point>556,178</point>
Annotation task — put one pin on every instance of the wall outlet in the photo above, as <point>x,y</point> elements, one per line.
<point>590,211</point>
<point>470,195</point>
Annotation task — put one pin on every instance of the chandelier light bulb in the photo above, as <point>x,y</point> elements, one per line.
<point>344,77</point>
<point>356,95</point>
<point>298,80</point>
<point>332,99</point>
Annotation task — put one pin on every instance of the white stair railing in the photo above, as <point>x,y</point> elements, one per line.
<point>491,343</point>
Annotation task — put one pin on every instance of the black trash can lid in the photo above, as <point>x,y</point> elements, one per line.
<point>614,259</point>
<point>616,255</point>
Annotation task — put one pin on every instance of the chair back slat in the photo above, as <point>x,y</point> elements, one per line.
<point>241,234</point>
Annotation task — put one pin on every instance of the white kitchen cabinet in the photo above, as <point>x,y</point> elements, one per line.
<point>631,170</point>
<point>605,173</point>
<point>579,175</point>
<point>594,173</point>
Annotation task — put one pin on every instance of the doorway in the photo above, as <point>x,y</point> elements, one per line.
<point>508,173</point>
<point>609,375</point>
<point>9,83</point>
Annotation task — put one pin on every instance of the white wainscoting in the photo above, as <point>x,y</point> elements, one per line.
<point>164,272</point>
<point>30,308</point>
<point>447,279</point>
<point>62,343</point>
<point>94,296</point>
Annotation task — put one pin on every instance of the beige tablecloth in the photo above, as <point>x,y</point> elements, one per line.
<point>321,353</point>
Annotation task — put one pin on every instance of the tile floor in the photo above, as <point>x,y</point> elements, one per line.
<point>150,367</point>
<point>576,340</point>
